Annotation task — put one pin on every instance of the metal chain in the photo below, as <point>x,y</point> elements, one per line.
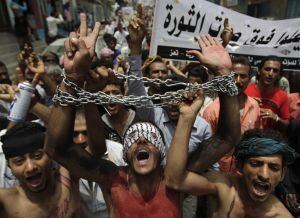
<point>225,84</point>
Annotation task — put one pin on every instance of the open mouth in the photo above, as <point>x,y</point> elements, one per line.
<point>34,180</point>
<point>261,188</point>
<point>111,106</point>
<point>142,156</point>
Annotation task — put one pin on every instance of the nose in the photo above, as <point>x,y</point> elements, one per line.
<point>263,174</point>
<point>30,166</point>
<point>237,79</point>
<point>80,139</point>
<point>142,140</point>
<point>160,74</point>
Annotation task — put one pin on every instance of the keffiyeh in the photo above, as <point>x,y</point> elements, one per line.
<point>149,131</point>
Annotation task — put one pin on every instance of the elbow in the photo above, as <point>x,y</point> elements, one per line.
<point>172,182</point>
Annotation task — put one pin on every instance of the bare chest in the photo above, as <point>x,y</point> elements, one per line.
<point>62,204</point>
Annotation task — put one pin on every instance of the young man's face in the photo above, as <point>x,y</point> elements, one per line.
<point>143,156</point>
<point>158,70</point>
<point>173,110</point>
<point>195,79</point>
<point>113,90</point>
<point>270,73</point>
<point>261,175</point>
<point>32,170</point>
<point>241,76</point>
<point>112,44</point>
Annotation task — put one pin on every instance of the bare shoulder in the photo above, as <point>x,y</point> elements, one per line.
<point>223,182</point>
<point>277,209</point>
<point>218,177</point>
<point>8,193</point>
<point>8,197</point>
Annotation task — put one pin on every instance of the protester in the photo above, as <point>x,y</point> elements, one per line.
<point>22,29</point>
<point>143,150</point>
<point>262,158</point>
<point>43,190</point>
<point>125,132</point>
<point>273,101</point>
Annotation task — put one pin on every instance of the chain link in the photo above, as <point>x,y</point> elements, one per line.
<point>224,84</point>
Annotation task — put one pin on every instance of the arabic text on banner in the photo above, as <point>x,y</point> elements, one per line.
<point>177,25</point>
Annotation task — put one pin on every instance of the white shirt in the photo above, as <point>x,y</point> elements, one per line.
<point>7,179</point>
<point>52,25</point>
<point>121,38</point>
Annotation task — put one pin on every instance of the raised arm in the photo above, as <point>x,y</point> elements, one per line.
<point>177,174</point>
<point>59,145</point>
<point>228,131</point>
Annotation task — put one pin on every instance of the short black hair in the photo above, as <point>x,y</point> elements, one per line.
<point>270,58</point>
<point>118,82</point>
<point>198,70</point>
<point>242,60</point>
<point>148,62</point>
<point>109,37</point>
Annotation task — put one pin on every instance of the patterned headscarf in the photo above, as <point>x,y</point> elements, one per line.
<point>149,131</point>
<point>265,147</point>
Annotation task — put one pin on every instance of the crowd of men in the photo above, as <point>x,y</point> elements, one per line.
<point>201,155</point>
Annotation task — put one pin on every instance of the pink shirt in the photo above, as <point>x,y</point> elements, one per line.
<point>294,105</point>
<point>249,120</point>
<point>249,116</point>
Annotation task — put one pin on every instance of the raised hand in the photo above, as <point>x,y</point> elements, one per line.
<point>79,51</point>
<point>227,33</point>
<point>7,92</point>
<point>192,103</point>
<point>137,32</point>
<point>98,78</point>
<point>213,55</point>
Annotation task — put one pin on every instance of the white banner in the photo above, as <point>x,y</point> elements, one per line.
<point>178,23</point>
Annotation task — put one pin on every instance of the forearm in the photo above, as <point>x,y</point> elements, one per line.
<point>60,127</point>
<point>42,112</point>
<point>178,152</point>
<point>95,129</point>
<point>49,83</point>
<point>227,135</point>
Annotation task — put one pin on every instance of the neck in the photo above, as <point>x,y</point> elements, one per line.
<point>242,100</point>
<point>145,185</point>
<point>265,89</point>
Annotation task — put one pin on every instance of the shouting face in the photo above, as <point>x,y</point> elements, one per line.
<point>32,170</point>
<point>143,156</point>
<point>261,175</point>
